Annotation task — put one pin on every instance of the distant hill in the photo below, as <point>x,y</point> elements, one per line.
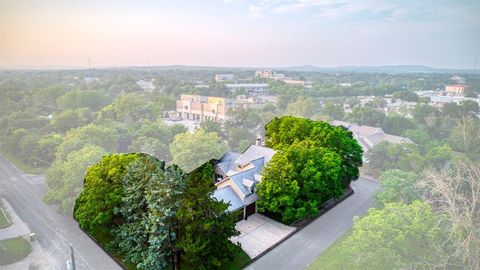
<point>392,69</point>
<point>379,69</point>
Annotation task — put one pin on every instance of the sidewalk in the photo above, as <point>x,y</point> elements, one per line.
<point>18,228</point>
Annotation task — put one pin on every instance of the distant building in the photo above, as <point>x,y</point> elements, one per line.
<point>201,108</point>
<point>368,136</point>
<point>89,80</point>
<point>252,89</point>
<point>147,86</point>
<point>224,77</point>
<point>458,79</point>
<point>269,74</point>
<point>345,84</point>
<point>439,101</point>
<point>236,176</point>
<point>456,89</point>
<point>201,86</point>
<point>256,102</point>
<point>306,84</point>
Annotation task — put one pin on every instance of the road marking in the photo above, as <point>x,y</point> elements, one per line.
<point>44,222</point>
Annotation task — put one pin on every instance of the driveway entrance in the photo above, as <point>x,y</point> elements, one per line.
<point>258,233</point>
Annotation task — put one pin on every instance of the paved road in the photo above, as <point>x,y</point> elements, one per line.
<point>303,247</point>
<point>54,232</point>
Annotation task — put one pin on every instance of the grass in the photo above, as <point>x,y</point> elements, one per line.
<point>331,259</point>
<point>13,250</point>
<point>239,262</point>
<point>4,220</point>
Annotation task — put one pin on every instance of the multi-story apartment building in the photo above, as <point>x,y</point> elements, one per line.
<point>456,89</point>
<point>201,108</point>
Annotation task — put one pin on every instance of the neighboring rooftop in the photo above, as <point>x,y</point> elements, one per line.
<point>369,136</point>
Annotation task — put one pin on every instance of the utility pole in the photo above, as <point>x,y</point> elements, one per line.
<point>71,261</point>
<point>89,64</point>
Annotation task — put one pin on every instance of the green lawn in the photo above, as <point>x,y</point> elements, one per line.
<point>14,250</point>
<point>4,220</point>
<point>331,259</point>
<point>240,261</point>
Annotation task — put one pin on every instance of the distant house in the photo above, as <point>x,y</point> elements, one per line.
<point>224,77</point>
<point>368,136</point>
<point>236,176</point>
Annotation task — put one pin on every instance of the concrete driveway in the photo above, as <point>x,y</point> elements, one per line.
<point>303,247</point>
<point>258,233</point>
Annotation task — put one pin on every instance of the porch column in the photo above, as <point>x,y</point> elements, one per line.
<point>244,213</point>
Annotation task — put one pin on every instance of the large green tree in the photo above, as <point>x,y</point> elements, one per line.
<point>400,236</point>
<point>397,186</point>
<point>299,179</point>
<point>102,192</point>
<point>205,224</point>
<point>190,150</point>
<point>283,132</point>
<point>149,205</point>
<point>65,178</point>
<point>92,134</point>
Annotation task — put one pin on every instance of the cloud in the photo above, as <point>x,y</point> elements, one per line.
<point>255,11</point>
<point>367,10</point>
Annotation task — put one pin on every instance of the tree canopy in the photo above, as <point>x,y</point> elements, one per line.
<point>314,163</point>
<point>154,216</point>
<point>190,150</point>
<point>399,236</point>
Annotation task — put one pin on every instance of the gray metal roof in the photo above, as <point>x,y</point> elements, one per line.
<point>228,195</point>
<point>255,152</point>
<point>227,161</point>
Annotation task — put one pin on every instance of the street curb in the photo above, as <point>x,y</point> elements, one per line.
<point>344,196</point>
<point>117,261</point>
<point>368,177</point>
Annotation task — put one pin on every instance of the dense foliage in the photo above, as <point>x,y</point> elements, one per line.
<point>190,150</point>
<point>399,236</point>
<point>102,192</point>
<point>314,163</point>
<point>155,217</point>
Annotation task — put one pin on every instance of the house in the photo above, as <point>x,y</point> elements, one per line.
<point>224,77</point>
<point>236,175</point>
<point>201,108</point>
<point>368,136</point>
